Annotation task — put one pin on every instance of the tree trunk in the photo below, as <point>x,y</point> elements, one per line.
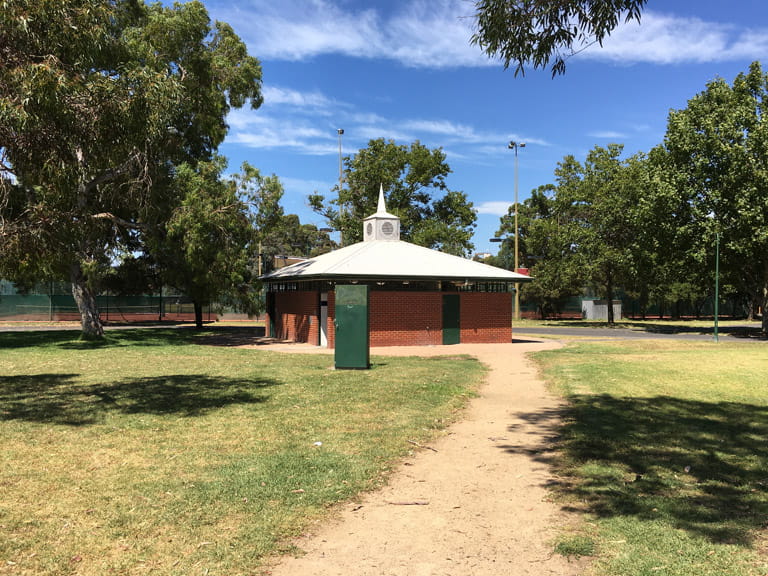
<point>198,315</point>
<point>764,307</point>
<point>90,321</point>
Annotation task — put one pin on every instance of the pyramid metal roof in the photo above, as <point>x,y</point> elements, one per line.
<point>386,260</point>
<point>376,259</point>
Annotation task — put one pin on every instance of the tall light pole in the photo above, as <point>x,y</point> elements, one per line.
<point>340,132</point>
<point>514,146</point>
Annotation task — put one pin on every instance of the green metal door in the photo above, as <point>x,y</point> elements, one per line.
<point>352,348</point>
<point>271,332</point>
<point>451,315</point>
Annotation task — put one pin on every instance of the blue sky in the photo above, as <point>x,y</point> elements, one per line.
<point>405,70</point>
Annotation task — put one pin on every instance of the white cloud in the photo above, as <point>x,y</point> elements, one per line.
<point>751,44</point>
<point>301,28</point>
<point>436,33</point>
<point>667,39</point>
<point>255,129</point>
<point>285,139</point>
<point>277,96</point>
<point>301,121</point>
<point>608,135</point>
<point>420,33</point>
<point>316,136</point>
<point>386,131</point>
<point>367,118</point>
<point>493,208</point>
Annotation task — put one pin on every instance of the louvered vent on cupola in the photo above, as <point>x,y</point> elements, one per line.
<point>382,225</point>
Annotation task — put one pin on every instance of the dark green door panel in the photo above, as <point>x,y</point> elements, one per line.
<point>451,315</point>
<point>271,330</point>
<point>352,349</point>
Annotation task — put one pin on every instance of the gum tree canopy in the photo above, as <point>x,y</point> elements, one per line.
<point>715,156</point>
<point>99,99</point>
<point>537,32</point>
<point>413,178</point>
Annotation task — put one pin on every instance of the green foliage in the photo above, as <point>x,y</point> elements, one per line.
<point>547,248</point>
<point>585,230</point>
<point>210,244</point>
<point>98,99</point>
<point>289,237</point>
<point>647,224</point>
<point>715,157</point>
<point>413,178</point>
<point>133,275</point>
<point>540,31</point>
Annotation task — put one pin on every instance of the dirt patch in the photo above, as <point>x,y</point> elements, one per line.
<point>475,503</point>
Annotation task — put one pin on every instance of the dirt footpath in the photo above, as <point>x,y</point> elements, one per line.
<point>477,505</point>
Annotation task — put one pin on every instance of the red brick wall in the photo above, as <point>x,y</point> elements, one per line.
<point>486,317</point>
<point>406,318</point>
<point>297,316</point>
<point>399,318</point>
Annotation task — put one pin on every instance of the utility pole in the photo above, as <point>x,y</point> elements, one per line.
<point>340,132</point>
<point>515,145</point>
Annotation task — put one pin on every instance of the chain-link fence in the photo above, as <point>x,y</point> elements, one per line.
<point>54,302</point>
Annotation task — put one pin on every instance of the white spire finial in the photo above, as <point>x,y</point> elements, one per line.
<point>382,225</point>
<point>381,208</point>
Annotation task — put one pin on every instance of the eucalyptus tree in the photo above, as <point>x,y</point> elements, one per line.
<point>586,228</point>
<point>607,223</point>
<point>289,237</point>
<point>717,161</point>
<point>546,249</point>
<point>99,99</point>
<point>414,181</point>
<point>209,245</point>
<point>537,32</point>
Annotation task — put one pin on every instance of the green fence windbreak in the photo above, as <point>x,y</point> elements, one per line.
<point>54,302</point>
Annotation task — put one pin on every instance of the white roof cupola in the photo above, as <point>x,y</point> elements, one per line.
<point>382,225</point>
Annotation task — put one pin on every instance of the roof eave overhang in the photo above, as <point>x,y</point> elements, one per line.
<point>399,278</point>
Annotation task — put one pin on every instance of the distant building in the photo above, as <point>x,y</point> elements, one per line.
<point>418,296</point>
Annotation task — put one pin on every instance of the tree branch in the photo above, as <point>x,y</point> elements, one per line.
<point>119,221</point>
<point>133,162</point>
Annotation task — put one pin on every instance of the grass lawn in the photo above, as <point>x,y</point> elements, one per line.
<point>655,325</point>
<point>664,450</point>
<point>151,453</point>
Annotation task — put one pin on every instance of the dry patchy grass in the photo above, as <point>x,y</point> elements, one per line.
<point>151,454</point>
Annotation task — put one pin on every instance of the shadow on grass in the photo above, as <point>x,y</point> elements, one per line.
<point>71,339</point>
<point>133,336</point>
<point>228,336</point>
<point>60,399</point>
<point>662,327</point>
<point>700,466</point>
